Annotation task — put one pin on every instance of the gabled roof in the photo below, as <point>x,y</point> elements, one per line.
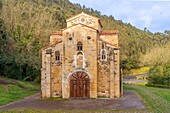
<point>61,34</point>
<point>82,13</point>
<point>51,45</point>
<point>85,14</point>
<point>80,24</point>
<point>110,32</point>
<point>114,45</point>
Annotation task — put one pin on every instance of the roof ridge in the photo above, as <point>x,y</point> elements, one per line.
<point>56,33</point>
<point>109,32</point>
<point>51,45</point>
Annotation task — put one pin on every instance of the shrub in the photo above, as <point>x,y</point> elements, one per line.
<point>159,75</point>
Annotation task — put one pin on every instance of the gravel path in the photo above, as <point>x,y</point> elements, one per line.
<point>130,101</point>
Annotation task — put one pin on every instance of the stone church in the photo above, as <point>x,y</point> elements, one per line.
<point>82,61</point>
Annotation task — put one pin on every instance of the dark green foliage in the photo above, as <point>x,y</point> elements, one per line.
<point>159,75</point>
<point>3,35</point>
<point>3,41</point>
<point>0,6</point>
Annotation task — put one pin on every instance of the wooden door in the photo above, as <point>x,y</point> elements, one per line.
<point>79,85</point>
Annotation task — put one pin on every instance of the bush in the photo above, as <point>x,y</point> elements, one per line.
<point>20,72</point>
<point>159,75</point>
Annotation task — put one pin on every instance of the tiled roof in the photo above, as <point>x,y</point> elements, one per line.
<point>114,45</point>
<point>113,32</point>
<point>51,45</point>
<point>57,33</point>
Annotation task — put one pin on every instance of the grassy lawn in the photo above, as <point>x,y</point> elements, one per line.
<point>14,90</point>
<point>164,93</point>
<point>156,99</point>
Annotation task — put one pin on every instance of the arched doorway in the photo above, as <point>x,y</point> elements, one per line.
<point>79,85</point>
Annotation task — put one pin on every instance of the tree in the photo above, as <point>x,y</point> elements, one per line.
<point>145,29</point>
<point>84,7</point>
<point>0,6</point>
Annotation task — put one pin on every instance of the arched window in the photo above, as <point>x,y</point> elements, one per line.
<point>103,55</point>
<point>57,56</point>
<point>79,46</point>
<point>79,60</point>
<point>102,45</point>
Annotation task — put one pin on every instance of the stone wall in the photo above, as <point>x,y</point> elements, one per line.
<point>46,73</point>
<point>103,81</point>
<point>51,71</point>
<point>88,37</point>
<point>108,71</point>
<point>56,71</point>
<point>117,75</point>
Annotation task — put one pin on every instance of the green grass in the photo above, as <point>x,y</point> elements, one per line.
<point>156,99</point>
<point>164,93</point>
<point>29,85</point>
<point>11,92</point>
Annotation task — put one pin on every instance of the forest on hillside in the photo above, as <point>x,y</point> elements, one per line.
<point>25,27</point>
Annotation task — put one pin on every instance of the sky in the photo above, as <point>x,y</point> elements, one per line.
<point>152,14</point>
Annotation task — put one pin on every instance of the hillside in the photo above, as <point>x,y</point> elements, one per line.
<point>26,26</point>
<point>12,90</point>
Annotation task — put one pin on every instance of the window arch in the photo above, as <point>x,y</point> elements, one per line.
<point>57,56</point>
<point>79,46</point>
<point>79,59</point>
<point>102,45</point>
<point>103,55</point>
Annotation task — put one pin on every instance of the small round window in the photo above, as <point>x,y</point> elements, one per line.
<point>82,20</point>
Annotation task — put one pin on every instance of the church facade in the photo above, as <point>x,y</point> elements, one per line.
<point>82,61</point>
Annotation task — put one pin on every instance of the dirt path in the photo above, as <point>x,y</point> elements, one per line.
<point>130,101</point>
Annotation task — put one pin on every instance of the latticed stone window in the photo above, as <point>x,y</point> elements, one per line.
<point>79,46</point>
<point>103,55</point>
<point>57,56</point>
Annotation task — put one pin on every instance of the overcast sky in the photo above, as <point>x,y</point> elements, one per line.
<point>152,14</point>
